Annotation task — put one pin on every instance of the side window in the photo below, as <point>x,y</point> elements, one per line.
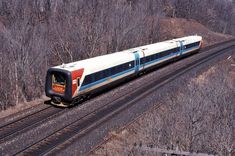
<point>165,53</point>
<point>120,68</point>
<point>187,46</point>
<point>152,57</point>
<point>102,74</point>
<point>97,76</point>
<point>170,51</point>
<point>141,61</point>
<point>106,73</point>
<point>113,71</point>
<point>109,72</point>
<point>127,65</point>
<point>192,45</point>
<point>132,63</point>
<point>157,56</point>
<point>87,80</point>
<point>176,50</point>
<point>123,67</point>
<point>92,78</point>
<point>78,81</point>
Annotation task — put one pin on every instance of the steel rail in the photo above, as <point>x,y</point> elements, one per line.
<point>21,125</point>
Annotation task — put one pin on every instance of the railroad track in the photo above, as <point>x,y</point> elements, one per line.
<point>21,114</point>
<point>80,128</point>
<point>17,126</point>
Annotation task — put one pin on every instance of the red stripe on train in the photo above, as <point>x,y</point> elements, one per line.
<point>77,74</point>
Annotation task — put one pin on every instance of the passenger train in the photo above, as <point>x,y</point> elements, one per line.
<point>69,83</point>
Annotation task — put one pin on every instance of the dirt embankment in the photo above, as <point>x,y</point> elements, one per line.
<point>197,116</point>
<point>178,27</point>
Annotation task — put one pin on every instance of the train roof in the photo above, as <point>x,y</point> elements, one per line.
<point>114,58</point>
<point>123,56</point>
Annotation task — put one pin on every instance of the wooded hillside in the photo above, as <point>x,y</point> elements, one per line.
<point>38,34</point>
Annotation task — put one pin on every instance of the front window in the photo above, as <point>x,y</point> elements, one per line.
<point>58,82</point>
<point>59,79</point>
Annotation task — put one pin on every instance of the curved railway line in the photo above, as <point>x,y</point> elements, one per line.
<point>66,135</point>
<point>22,114</point>
<point>10,130</point>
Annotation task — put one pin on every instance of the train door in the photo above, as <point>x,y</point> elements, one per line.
<point>137,62</point>
<point>181,47</point>
<point>142,59</point>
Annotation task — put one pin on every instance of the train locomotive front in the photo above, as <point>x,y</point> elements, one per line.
<point>62,85</point>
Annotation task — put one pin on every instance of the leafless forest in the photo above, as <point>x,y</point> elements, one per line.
<point>197,116</point>
<point>38,34</point>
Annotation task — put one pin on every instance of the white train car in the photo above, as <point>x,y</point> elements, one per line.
<point>68,83</point>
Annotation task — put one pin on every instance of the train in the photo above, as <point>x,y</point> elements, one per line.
<point>68,84</point>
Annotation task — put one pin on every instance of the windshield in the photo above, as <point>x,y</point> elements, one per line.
<point>59,79</point>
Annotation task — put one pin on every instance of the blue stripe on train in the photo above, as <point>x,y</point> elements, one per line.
<point>173,54</point>
<point>132,69</point>
<point>106,79</point>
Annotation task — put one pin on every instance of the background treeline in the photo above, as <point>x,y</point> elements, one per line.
<point>38,34</point>
<point>218,15</point>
